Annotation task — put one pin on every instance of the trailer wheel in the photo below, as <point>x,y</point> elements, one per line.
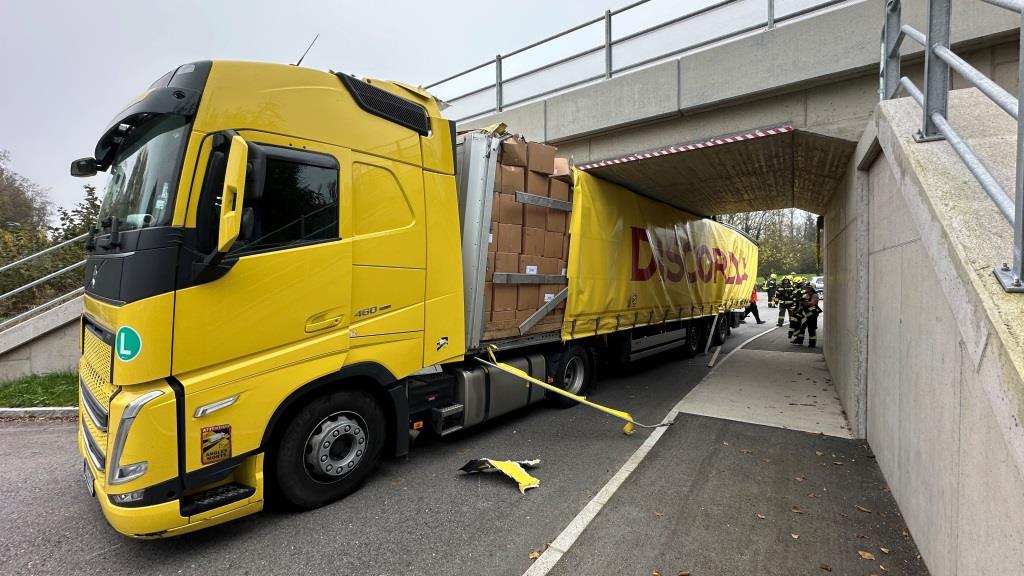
<point>694,339</point>
<point>721,331</point>
<point>328,449</point>
<point>573,372</point>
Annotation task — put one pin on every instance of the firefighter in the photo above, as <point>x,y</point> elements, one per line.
<point>809,317</point>
<point>770,286</point>
<point>784,296</point>
<point>796,312</point>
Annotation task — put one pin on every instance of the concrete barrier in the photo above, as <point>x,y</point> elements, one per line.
<point>45,343</point>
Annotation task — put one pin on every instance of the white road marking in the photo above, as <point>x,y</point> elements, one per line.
<point>568,537</point>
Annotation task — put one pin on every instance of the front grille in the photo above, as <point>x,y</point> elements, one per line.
<point>95,368</point>
<point>93,446</point>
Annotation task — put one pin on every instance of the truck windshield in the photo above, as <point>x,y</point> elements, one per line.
<point>144,173</point>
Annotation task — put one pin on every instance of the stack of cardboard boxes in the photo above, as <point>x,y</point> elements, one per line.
<point>526,238</point>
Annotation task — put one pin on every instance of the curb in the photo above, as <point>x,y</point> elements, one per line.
<point>45,412</point>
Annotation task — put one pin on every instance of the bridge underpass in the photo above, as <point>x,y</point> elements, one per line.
<point>921,343</point>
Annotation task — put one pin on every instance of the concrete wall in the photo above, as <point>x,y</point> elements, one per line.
<point>46,343</point>
<point>939,393</point>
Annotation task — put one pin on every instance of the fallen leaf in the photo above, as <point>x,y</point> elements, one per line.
<point>796,510</point>
<point>535,554</point>
<point>795,536</point>
<point>861,536</point>
<point>744,451</point>
<point>684,573</point>
<point>812,495</point>
<point>655,573</point>
<point>883,568</point>
<point>659,514</point>
<point>825,567</point>
<point>725,443</point>
<point>799,478</point>
<point>863,509</point>
<point>837,463</point>
<point>760,516</point>
<point>819,452</point>
<point>884,550</point>
<point>865,555</point>
<point>905,533</point>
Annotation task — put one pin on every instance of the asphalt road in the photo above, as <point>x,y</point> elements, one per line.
<point>415,515</point>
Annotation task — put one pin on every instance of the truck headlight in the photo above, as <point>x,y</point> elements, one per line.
<point>121,474</point>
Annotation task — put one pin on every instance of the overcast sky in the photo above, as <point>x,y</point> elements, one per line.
<point>69,67</point>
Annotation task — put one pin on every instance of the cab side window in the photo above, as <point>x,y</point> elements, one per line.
<point>298,205</point>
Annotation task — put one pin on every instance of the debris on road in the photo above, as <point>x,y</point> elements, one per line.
<point>511,468</point>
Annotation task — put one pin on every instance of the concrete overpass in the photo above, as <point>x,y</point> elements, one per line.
<point>922,342</point>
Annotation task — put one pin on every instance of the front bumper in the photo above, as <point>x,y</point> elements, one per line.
<point>165,519</point>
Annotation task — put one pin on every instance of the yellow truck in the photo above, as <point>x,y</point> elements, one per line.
<point>285,285</point>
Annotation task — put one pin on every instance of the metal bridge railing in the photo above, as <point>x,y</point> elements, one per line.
<point>705,23</point>
<point>938,62</point>
<point>39,281</point>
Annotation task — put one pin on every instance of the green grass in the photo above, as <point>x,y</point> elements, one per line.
<point>55,389</point>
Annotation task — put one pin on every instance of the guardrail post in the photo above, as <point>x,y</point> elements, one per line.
<point>891,56</point>
<point>1010,278</point>
<point>497,83</point>
<point>607,43</point>
<point>936,71</point>
<point>771,14</point>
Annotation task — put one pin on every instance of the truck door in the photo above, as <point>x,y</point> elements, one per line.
<point>279,316</point>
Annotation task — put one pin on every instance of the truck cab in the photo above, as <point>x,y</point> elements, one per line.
<point>266,232</point>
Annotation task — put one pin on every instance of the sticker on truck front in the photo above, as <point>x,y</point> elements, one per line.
<point>216,443</point>
<point>128,343</point>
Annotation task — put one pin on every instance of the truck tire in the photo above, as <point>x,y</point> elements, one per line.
<point>721,331</point>
<point>573,372</point>
<point>327,450</point>
<point>694,338</point>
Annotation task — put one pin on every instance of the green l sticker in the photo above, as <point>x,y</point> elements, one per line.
<point>128,343</point>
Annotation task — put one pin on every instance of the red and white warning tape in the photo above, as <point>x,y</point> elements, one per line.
<point>688,147</point>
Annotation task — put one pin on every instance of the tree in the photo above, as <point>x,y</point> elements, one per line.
<point>23,204</point>
<point>787,239</point>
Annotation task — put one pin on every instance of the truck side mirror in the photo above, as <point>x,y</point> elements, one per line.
<point>83,167</point>
<point>233,194</point>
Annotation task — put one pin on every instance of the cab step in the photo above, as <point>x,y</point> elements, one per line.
<point>448,419</point>
<point>214,498</point>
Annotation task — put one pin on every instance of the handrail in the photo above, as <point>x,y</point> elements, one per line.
<point>39,281</point>
<point>29,313</point>
<point>608,47</point>
<point>939,60</point>
<point>30,257</point>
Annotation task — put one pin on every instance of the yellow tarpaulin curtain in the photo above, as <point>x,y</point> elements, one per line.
<point>634,261</point>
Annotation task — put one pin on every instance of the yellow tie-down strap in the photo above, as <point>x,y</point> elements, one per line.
<point>630,423</point>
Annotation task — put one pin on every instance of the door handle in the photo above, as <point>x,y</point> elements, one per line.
<point>316,324</point>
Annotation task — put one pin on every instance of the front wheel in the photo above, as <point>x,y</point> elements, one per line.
<point>572,373</point>
<point>328,449</point>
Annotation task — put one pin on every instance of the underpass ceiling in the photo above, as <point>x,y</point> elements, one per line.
<point>761,170</point>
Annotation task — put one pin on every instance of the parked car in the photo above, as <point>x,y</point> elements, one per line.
<point>819,285</point>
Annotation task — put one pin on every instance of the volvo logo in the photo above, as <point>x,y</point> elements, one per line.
<point>95,273</point>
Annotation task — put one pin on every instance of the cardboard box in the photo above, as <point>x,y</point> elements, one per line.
<point>509,238</point>
<point>565,248</point>
<point>489,274</point>
<point>562,170</point>
<point>558,190</point>
<point>503,315</point>
<point>541,158</point>
<point>563,268</point>
<point>506,262</point>
<point>493,231</point>
<point>494,207</point>
<point>535,216</point>
<point>509,211</point>
<point>529,264</point>
<point>513,179</point>
<point>527,297</point>
<point>504,298</point>
<point>537,183</point>
<point>549,266</point>
<point>533,241</point>
<point>552,245</point>
<point>514,152</point>
<point>488,291</point>
<point>555,221</point>
<point>524,314</point>
<point>548,292</point>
